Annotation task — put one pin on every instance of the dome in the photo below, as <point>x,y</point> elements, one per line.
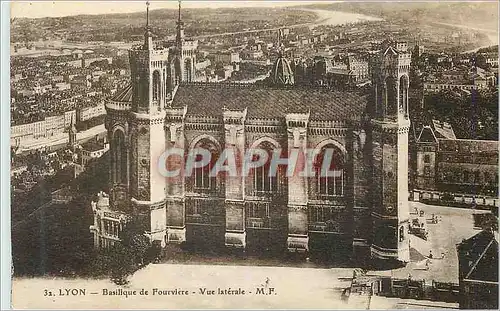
<point>281,73</point>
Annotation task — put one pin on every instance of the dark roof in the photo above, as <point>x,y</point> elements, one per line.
<point>123,95</point>
<point>427,135</point>
<point>264,102</point>
<point>443,130</point>
<point>469,145</point>
<point>481,254</point>
<point>281,74</point>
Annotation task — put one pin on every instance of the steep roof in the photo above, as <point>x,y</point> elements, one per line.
<point>281,74</point>
<point>123,95</point>
<point>443,130</point>
<point>481,251</point>
<point>264,102</point>
<point>427,135</point>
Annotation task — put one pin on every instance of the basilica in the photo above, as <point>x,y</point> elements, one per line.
<point>360,212</point>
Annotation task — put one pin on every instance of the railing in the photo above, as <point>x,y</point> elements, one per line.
<point>457,200</point>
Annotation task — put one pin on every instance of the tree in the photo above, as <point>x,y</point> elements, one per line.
<point>121,263</point>
<point>473,116</point>
<point>137,243</point>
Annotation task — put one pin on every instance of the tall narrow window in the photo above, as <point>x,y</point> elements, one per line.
<point>120,157</point>
<point>203,181</point>
<point>263,182</point>
<point>391,98</point>
<point>188,71</point>
<point>329,172</point>
<point>156,86</point>
<point>403,95</point>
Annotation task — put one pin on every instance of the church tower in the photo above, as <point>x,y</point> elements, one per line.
<point>138,138</point>
<point>184,54</point>
<point>390,124</point>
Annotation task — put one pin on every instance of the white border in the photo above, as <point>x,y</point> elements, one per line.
<point>5,242</point>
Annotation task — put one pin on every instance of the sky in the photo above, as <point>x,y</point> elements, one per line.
<point>34,9</point>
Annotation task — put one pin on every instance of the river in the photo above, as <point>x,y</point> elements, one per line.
<point>332,18</point>
<point>492,35</point>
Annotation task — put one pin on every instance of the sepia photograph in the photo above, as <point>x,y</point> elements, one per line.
<point>253,155</point>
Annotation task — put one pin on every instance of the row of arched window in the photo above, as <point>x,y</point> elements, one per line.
<point>264,182</point>
<point>160,85</point>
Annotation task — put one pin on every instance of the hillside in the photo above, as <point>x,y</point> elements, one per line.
<point>127,26</point>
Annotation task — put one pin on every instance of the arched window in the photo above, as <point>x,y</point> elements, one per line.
<point>156,86</point>
<point>391,98</point>
<point>202,181</point>
<point>329,172</point>
<point>170,77</point>
<point>120,157</point>
<point>164,89</point>
<point>403,95</point>
<point>263,182</point>
<point>177,71</point>
<point>144,89</point>
<point>188,71</point>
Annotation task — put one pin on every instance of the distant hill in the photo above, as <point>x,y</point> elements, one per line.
<point>123,26</point>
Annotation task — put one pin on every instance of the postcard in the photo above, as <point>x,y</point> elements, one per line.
<point>254,155</point>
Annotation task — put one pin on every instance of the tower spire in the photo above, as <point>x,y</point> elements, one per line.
<point>179,16</point>
<point>148,37</point>
<point>147,14</point>
<point>180,28</point>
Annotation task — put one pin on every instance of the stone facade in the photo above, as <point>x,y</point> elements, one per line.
<point>458,166</point>
<point>389,130</point>
<point>361,209</point>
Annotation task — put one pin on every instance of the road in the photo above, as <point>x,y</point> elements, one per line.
<point>455,225</point>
